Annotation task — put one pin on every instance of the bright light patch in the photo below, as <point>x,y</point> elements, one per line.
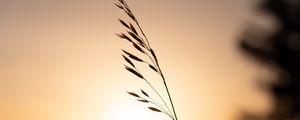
<point>133,111</point>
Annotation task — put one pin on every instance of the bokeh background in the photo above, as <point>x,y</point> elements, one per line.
<point>60,59</point>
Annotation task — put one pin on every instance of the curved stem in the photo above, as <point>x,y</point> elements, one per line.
<point>170,98</point>
<point>167,89</point>
<point>164,111</point>
<point>153,88</point>
<point>137,23</point>
<point>155,62</point>
<point>168,110</point>
<point>143,33</point>
<point>169,115</point>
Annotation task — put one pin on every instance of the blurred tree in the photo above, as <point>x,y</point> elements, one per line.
<point>280,50</point>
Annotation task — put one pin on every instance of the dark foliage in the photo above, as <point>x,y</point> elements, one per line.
<point>279,50</point>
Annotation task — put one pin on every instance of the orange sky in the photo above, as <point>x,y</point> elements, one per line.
<point>60,59</point>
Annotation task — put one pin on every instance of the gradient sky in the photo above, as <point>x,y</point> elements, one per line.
<point>60,59</point>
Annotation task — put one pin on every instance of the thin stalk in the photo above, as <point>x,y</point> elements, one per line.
<point>169,95</point>
<point>168,110</point>
<point>167,89</point>
<point>137,23</point>
<point>149,48</point>
<point>169,116</point>
<point>143,33</point>
<point>154,62</point>
<point>164,110</point>
<point>153,88</point>
<point>164,81</point>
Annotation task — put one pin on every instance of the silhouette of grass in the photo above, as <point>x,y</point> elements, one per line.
<point>141,43</point>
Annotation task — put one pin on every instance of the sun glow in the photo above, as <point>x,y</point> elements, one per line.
<point>132,111</point>
<point>60,60</point>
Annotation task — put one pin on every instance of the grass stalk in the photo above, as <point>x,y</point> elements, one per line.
<point>141,43</point>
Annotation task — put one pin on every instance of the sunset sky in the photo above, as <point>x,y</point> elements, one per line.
<point>60,59</point>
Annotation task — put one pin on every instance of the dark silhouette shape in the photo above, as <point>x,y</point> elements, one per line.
<point>279,50</point>
<point>140,42</point>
